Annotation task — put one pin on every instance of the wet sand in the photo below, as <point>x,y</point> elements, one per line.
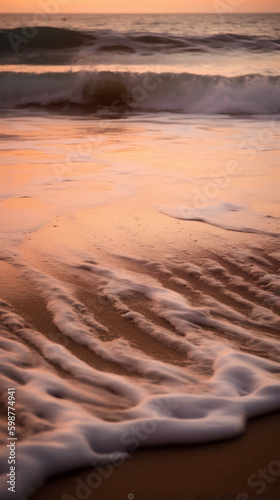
<point>93,242</point>
<point>217,470</point>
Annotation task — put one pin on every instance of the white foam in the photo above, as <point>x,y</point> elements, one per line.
<point>177,92</point>
<point>65,418</point>
<point>227,216</point>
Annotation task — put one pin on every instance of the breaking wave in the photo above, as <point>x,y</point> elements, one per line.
<point>90,91</point>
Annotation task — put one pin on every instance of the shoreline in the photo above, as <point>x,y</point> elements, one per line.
<point>115,305</point>
<point>196,471</point>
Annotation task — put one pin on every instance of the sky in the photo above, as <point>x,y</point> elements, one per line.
<point>122,6</point>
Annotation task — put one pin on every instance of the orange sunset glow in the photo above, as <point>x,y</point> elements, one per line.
<point>146,6</point>
<point>139,259</point>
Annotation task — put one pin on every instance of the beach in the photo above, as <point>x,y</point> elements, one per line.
<point>217,471</point>
<point>140,270</point>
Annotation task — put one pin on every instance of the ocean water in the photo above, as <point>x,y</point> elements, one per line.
<point>207,64</point>
<point>140,223</point>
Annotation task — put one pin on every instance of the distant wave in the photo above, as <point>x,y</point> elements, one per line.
<point>90,91</point>
<point>24,41</point>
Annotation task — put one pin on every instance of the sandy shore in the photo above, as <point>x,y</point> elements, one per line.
<point>104,264</point>
<point>168,472</point>
<point>217,469</point>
